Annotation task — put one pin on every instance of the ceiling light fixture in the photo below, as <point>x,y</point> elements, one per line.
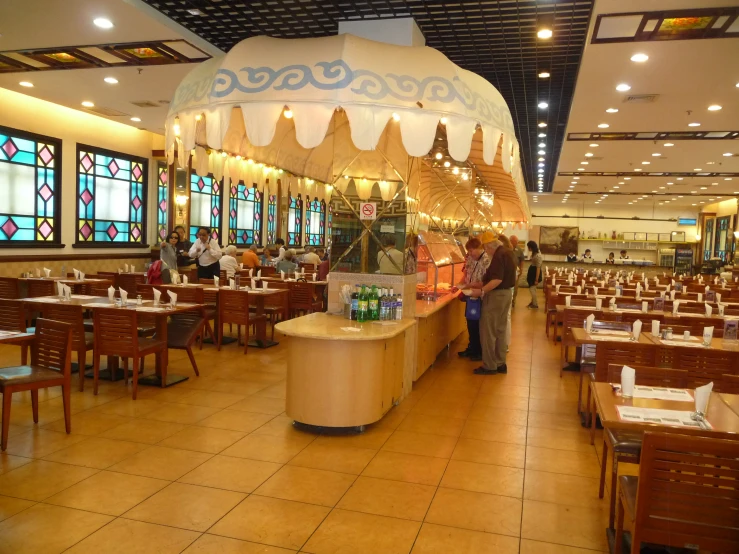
<point>697,169</point>
<point>544,33</point>
<point>111,80</point>
<point>542,152</point>
<point>694,124</point>
<point>544,75</point>
<point>584,163</point>
<point>27,84</point>
<point>439,155</point>
<point>612,110</point>
<point>638,169</point>
<point>103,23</point>
<point>541,159</point>
<point>542,135</point>
<point>396,117</point>
<point>136,119</point>
<point>588,154</point>
<point>728,154</point>
<point>543,105</point>
<point>668,144</point>
<point>623,87</point>
<point>447,164</point>
<point>646,163</point>
<point>656,154</point>
<point>581,169</point>
<point>639,58</point>
<point>195,11</point>
<point>88,104</point>
<point>542,144</point>
<point>594,145</point>
<point>542,124</point>
<point>443,120</point>
<point>714,108</point>
<point>603,125</point>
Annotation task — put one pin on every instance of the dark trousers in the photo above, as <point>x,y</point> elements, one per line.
<point>473,329</point>
<point>209,271</point>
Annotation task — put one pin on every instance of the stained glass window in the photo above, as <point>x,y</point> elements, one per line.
<point>111,197</point>
<point>162,200</point>
<point>205,206</point>
<point>30,179</point>
<point>315,218</point>
<point>294,221</point>
<point>271,218</point>
<point>244,215</point>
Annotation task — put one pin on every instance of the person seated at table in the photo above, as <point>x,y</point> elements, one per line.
<point>267,258</point>
<point>250,258</point>
<point>322,254</point>
<point>323,269</point>
<point>624,255</point>
<point>611,259</point>
<point>207,254</point>
<point>571,257</point>
<point>391,254</point>
<point>310,256</point>
<point>587,256</point>
<point>228,261</point>
<point>287,264</point>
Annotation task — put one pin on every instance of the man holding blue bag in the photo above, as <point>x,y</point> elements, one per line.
<point>474,270</point>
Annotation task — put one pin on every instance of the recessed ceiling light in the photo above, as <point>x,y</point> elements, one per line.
<point>639,58</point>
<point>714,108</point>
<point>697,169</point>
<point>627,178</point>
<point>542,144</point>
<point>103,23</point>
<point>679,178</point>
<point>27,84</point>
<point>727,179</point>
<point>576,178</point>
<point>656,154</point>
<point>701,202</point>
<point>542,152</point>
<point>447,163</point>
<point>616,186</point>
<point>612,110</point>
<point>542,124</point>
<point>668,144</point>
<point>544,75</point>
<point>623,87</point>
<point>541,159</point>
<point>603,125</point>
<point>581,169</point>
<point>544,33</point>
<point>541,165</point>
<point>694,124</point>
<point>137,119</point>
<point>594,145</point>
<point>694,204</point>
<point>621,183</point>
<point>661,188</point>
<point>584,163</point>
<point>111,80</point>
<point>728,154</point>
<point>543,105</point>
<point>638,169</point>
<point>88,104</point>
<point>194,11</point>
<point>646,163</point>
<point>541,135</point>
<point>670,183</point>
<point>693,192</point>
<point>588,154</point>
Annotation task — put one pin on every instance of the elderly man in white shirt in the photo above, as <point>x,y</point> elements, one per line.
<point>310,257</point>
<point>207,253</point>
<point>228,261</point>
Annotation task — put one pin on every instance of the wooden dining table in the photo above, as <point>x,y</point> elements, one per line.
<point>581,336</point>
<point>161,315</point>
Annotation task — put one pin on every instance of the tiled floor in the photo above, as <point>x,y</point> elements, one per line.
<point>466,464</point>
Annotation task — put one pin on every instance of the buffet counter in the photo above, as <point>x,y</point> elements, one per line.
<point>439,323</point>
<point>342,373</point>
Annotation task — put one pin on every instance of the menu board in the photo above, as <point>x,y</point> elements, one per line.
<point>672,418</point>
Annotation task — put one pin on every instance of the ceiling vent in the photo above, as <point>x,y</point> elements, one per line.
<point>641,98</point>
<point>107,112</point>
<point>145,104</point>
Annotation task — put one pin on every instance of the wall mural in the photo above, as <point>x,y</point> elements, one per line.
<point>558,240</point>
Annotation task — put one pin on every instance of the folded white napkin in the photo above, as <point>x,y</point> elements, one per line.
<point>589,322</point>
<point>675,306</point>
<point>672,282</point>
<point>157,296</point>
<point>655,327</point>
<point>595,291</point>
<point>579,289</point>
<point>120,271</point>
<point>125,268</point>
<point>184,279</point>
<point>111,295</point>
<point>76,273</point>
<point>314,275</point>
<point>702,394</point>
<point>47,272</point>
<point>124,295</point>
<point>598,303</point>
<point>556,289</point>
<point>553,280</point>
<point>645,307</point>
<point>172,297</point>
<point>700,297</point>
<point>568,299</point>
<point>82,276</point>
<point>662,294</point>
<point>707,335</point>
<point>618,291</point>
<point>672,295</point>
<point>628,376</point>
<point>636,329</point>
<point>569,281</point>
<point>282,275</point>
<point>254,283</point>
<point>709,310</point>
<point>133,269</point>
<point>231,284</point>
<point>217,281</point>
<point>642,275</point>
<point>60,288</point>
<point>646,285</point>
<point>259,274</point>
<point>251,272</point>
<point>707,288</point>
<point>718,297</point>
<point>38,272</point>
<point>638,288</point>
<point>265,284</point>
<point>241,266</point>
<point>721,310</point>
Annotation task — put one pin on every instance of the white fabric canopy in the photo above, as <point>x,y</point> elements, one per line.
<point>359,107</point>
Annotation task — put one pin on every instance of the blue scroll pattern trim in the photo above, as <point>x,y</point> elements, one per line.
<point>338,75</point>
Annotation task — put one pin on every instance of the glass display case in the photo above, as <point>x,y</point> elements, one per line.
<point>440,265</point>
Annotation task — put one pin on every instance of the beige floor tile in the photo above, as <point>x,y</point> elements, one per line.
<point>269,448</point>
<point>373,438</point>
<point>388,498</point>
<point>566,525</point>
<point>421,444</point>
<point>10,506</point>
<point>186,506</point>
<point>8,462</point>
<point>271,521</point>
<point>517,403</point>
<point>434,425</point>
<point>128,407</point>
<point>282,426</point>
<point>499,416</point>
<point>234,474</point>
<point>553,406</point>
<point>161,463</point>
<point>275,391</point>
<point>440,408</point>
<point>491,479</point>
<point>487,452</point>
<point>108,493</point>
<point>124,536</point>
<point>38,443</point>
<point>96,452</point>
<point>88,423</point>
<point>487,431</point>
<point>260,405</point>
<point>210,399</point>
<point>562,422</point>
<point>571,490</point>
<point>40,479</point>
<point>44,528</point>
<point>182,413</point>
<point>476,511</point>
<point>143,430</point>
<point>562,461</point>
<point>410,468</point>
<point>203,439</point>
<point>235,420</point>
<point>577,440</point>
<point>438,539</point>
<point>302,484</point>
<point>344,459</point>
<point>22,415</point>
<point>536,547</point>
<point>210,544</point>
<point>357,533</point>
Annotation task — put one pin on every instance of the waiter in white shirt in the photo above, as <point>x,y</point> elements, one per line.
<point>207,253</point>
<point>281,252</point>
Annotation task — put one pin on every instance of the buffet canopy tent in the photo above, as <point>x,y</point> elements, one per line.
<point>343,108</point>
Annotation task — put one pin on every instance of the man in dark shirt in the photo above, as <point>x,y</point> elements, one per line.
<point>497,294</point>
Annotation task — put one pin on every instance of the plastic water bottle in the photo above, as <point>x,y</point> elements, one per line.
<point>399,307</point>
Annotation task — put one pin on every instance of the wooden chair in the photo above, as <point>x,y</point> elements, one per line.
<point>183,329</point>
<point>625,446</point>
<point>687,493</point>
<point>552,299</point>
<point>9,287</point>
<point>302,300</point>
<point>571,319</point>
<point>729,383</point>
<point>587,359</point>
<point>13,318</point>
<point>705,365</point>
<point>116,334</point>
<point>81,341</point>
<point>129,282</point>
<point>41,287</point>
<point>276,308</point>
<point>268,271</point>
<point>233,308</point>
<point>51,360</point>
<point>194,295</point>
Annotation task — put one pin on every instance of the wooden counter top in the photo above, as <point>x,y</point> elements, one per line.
<point>424,308</point>
<point>323,326</point>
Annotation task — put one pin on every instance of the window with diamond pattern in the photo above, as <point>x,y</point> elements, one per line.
<point>111,198</point>
<point>30,179</point>
<point>315,221</point>
<point>162,201</point>
<point>294,221</point>
<point>205,206</point>
<point>245,215</point>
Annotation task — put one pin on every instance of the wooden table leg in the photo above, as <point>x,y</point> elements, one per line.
<point>162,359</point>
<point>261,340</point>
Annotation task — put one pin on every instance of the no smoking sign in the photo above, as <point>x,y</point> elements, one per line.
<point>368,210</point>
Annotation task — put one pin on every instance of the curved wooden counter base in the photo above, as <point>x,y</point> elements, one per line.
<point>340,378</point>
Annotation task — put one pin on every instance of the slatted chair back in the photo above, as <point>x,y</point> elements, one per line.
<point>12,315</point>
<point>646,318</point>
<point>279,285</point>
<point>691,309</point>
<point>308,268</point>
<point>563,289</point>
<point>651,376</point>
<point>223,276</point>
<point>40,287</point>
<point>584,302</point>
<point>611,325</point>
<point>233,307</point>
<point>52,347</point>
<point>146,291</point>
<point>192,295</point>
<point>112,275</point>
<point>696,324</point>
<point>623,353</point>
<point>130,281</point>
<point>116,332</point>
<point>729,384</point>
<point>573,318</point>
<point>607,315</point>
<point>70,314</point>
<point>705,364</point>
<point>9,287</point>
<point>301,296</point>
<point>268,271</point>
<point>88,288</point>
<point>688,493</point>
